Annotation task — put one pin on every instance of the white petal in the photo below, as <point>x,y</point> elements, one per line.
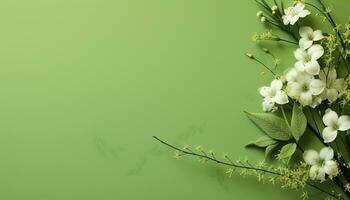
<point>330,73</point>
<point>316,100</point>
<point>329,134</point>
<point>312,67</point>
<point>291,74</point>
<point>276,85</point>
<point>281,98</point>
<point>304,77</point>
<point>299,7</point>
<point>344,123</point>
<point>339,84</point>
<point>321,174</point>
<point>305,31</point>
<point>314,171</point>
<point>326,153</point>
<point>285,20</point>
<point>330,117</point>
<point>300,66</point>
<point>317,86</point>
<point>267,105</point>
<point>305,98</point>
<point>293,89</point>
<point>300,54</point>
<point>322,74</point>
<point>264,91</point>
<point>332,95</point>
<point>315,51</point>
<point>318,35</point>
<point>293,19</point>
<point>305,43</point>
<point>331,168</point>
<point>311,157</point>
<point>304,13</point>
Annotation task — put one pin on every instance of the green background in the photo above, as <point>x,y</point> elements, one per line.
<point>84,84</point>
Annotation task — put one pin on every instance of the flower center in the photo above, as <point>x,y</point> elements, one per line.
<point>305,88</point>
<point>321,162</point>
<point>310,37</point>
<point>272,93</point>
<point>307,58</point>
<point>335,126</point>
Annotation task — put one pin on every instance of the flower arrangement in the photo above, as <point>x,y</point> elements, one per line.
<point>312,97</point>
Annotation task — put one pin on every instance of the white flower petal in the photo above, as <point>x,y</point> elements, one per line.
<point>299,7</point>
<point>344,123</point>
<point>304,13</point>
<point>329,134</point>
<point>312,67</point>
<point>311,157</point>
<point>314,171</point>
<point>294,89</point>
<point>316,100</point>
<point>285,19</point>
<point>317,86</point>
<point>281,98</point>
<point>305,43</point>
<point>276,85</point>
<point>318,35</point>
<point>264,91</point>
<point>331,168</point>
<point>299,65</point>
<point>339,84</point>
<point>322,74</point>
<point>291,74</point>
<point>331,95</point>
<point>300,54</point>
<point>305,98</point>
<point>293,19</point>
<point>305,31</point>
<point>267,105</point>
<point>330,73</point>
<point>330,117</point>
<point>315,51</point>
<point>326,153</point>
<point>321,174</point>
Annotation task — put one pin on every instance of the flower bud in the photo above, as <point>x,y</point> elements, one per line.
<point>250,55</point>
<point>259,14</point>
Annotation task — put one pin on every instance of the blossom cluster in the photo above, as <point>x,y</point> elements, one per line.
<point>310,97</point>
<point>309,84</point>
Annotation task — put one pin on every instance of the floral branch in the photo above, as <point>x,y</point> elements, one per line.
<point>250,167</point>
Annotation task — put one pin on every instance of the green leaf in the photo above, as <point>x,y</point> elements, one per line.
<point>272,125</point>
<point>287,151</point>
<point>263,141</point>
<point>269,149</point>
<point>298,123</point>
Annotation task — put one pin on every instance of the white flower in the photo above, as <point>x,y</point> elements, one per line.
<point>334,123</point>
<point>333,85</point>
<point>307,60</point>
<point>321,163</point>
<point>263,19</point>
<point>274,8</point>
<point>259,14</point>
<point>304,87</point>
<point>293,13</point>
<point>291,75</point>
<point>308,36</point>
<point>272,95</point>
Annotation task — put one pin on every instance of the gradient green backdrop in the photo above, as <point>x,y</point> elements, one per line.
<point>84,84</point>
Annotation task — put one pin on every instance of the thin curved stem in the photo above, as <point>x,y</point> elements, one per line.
<point>231,164</point>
